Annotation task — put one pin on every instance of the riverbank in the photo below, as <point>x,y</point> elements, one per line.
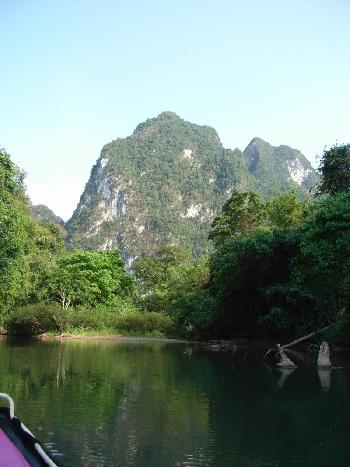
<point>51,319</point>
<point>115,337</point>
<point>233,346</point>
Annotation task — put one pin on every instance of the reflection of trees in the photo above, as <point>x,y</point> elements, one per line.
<point>158,405</point>
<point>256,422</point>
<point>107,398</point>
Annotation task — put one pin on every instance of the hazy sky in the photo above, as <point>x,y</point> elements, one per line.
<point>76,74</point>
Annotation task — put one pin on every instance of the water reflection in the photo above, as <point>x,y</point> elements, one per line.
<point>324,375</point>
<point>106,404</point>
<point>285,372</point>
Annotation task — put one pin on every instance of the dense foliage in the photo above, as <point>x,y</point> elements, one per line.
<point>286,272</point>
<point>27,249</point>
<point>279,268</point>
<point>174,284</point>
<point>44,284</point>
<point>335,170</point>
<point>89,278</point>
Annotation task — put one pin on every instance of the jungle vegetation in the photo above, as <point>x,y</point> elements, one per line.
<point>279,268</point>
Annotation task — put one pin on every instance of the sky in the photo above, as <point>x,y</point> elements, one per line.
<point>76,74</point>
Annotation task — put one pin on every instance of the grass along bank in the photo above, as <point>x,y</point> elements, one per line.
<point>51,319</point>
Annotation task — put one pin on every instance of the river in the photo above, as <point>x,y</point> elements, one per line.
<point>110,403</point>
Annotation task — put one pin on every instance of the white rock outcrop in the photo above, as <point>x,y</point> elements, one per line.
<point>285,361</point>
<point>297,171</point>
<point>193,211</point>
<point>323,360</point>
<point>187,154</point>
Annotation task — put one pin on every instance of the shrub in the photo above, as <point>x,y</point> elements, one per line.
<point>37,319</point>
<point>131,322</point>
<point>41,318</point>
<point>142,322</point>
<point>86,318</point>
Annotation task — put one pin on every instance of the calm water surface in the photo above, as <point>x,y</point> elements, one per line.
<point>103,403</point>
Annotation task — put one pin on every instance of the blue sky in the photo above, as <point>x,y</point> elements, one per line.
<point>76,74</point>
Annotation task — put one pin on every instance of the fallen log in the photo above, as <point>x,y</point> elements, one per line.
<point>297,341</point>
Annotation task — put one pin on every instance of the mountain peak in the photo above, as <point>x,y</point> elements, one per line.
<point>266,161</point>
<point>167,114</point>
<point>258,142</point>
<point>164,117</point>
<point>166,182</point>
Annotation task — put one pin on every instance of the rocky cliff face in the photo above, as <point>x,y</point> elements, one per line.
<point>165,182</point>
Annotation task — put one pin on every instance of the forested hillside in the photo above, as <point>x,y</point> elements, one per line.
<point>279,267</point>
<point>165,183</point>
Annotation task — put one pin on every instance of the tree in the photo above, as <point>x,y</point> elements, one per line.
<point>335,170</point>
<point>186,299</point>
<point>324,262</point>
<point>11,177</point>
<point>89,278</point>
<point>287,210</point>
<point>14,221</point>
<point>153,270</point>
<point>257,294</point>
<point>240,215</point>
<point>43,249</point>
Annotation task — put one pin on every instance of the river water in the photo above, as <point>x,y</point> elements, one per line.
<point>104,403</point>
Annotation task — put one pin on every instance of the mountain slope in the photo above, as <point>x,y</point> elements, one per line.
<point>164,184</point>
<point>45,215</point>
<point>278,168</point>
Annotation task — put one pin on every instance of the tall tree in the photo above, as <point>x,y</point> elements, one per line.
<point>154,270</point>
<point>287,210</point>
<point>240,215</point>
<point>335,170</point>
<point>13,229</point>
<point>324,262</point>
<point>89,278</point>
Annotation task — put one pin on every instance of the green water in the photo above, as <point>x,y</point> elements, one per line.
<point>100,403</point>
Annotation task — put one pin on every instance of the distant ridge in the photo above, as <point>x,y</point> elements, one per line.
<point>43,214</point>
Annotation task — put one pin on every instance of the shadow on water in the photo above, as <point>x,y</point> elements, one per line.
<point>158,404</point>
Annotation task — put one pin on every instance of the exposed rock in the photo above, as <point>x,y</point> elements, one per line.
<point>323,360</point>
<point>187,153</point>
<point>298,173</point>
<point>285,361</point>
<point>193,211</point>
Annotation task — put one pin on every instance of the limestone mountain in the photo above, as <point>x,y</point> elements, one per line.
<point>276,168</point>
<point>165,183</point>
